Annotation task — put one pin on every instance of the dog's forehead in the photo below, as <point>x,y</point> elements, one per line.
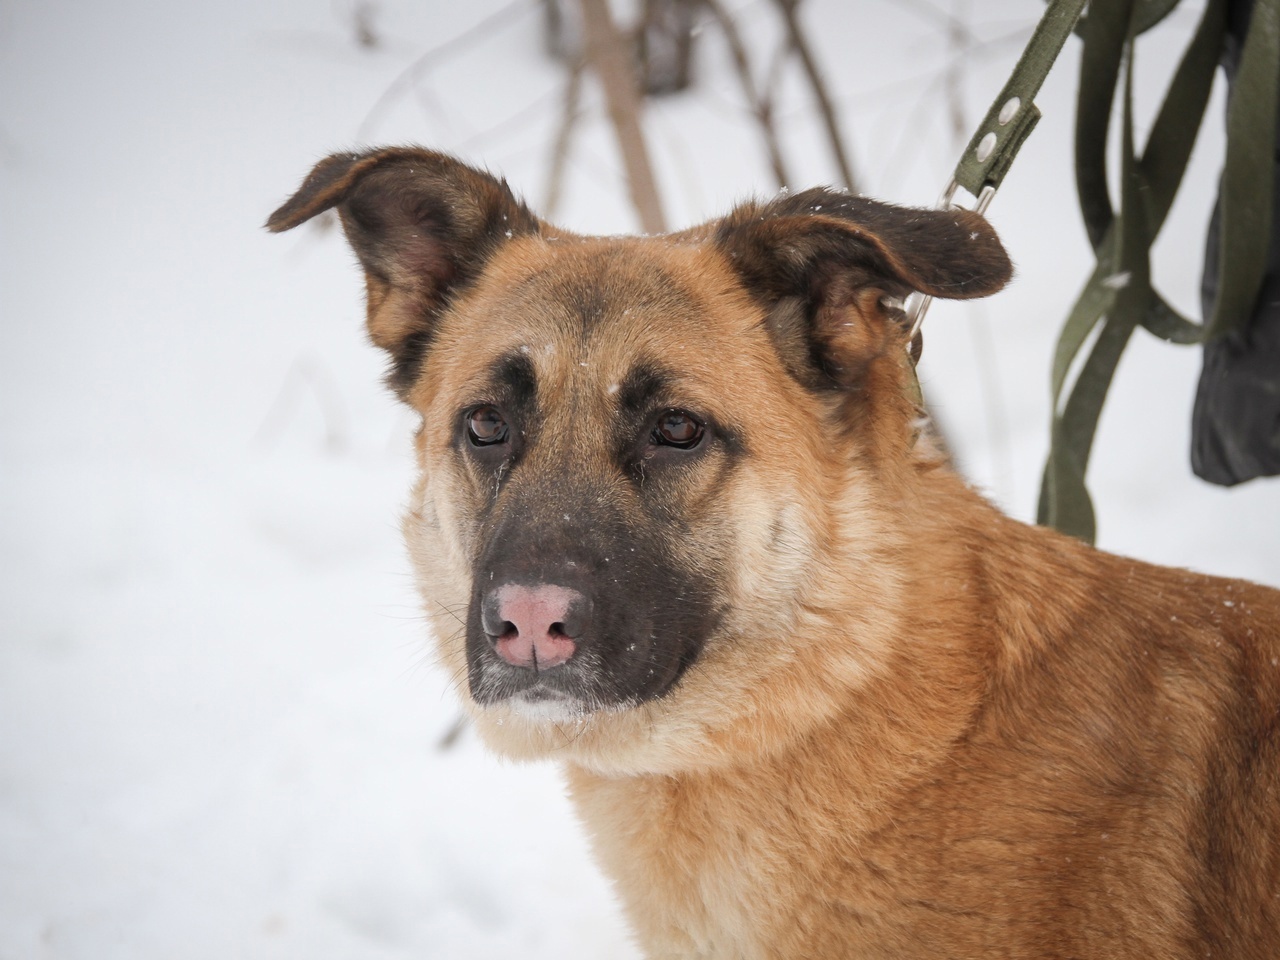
<point>576,287</point>
<point>605,305</point>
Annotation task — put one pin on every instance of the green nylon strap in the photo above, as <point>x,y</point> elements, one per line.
<point>1105,31</point>
<point>1127,281</point>
<point>1165,158</point>
<point>1009,121</point>
<point>1119,296</point>
<point>1151,12</point>
<point>1173,134</point>
<point>1007,125</point>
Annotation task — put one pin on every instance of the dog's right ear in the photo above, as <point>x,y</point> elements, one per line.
<point>423,225</point>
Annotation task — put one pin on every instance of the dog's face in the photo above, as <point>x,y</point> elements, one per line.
<point>641,459</point>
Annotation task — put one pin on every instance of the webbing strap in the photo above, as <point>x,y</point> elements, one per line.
<point>1009,121</point>
<point>1119,296</point>
<point>1014,114</point>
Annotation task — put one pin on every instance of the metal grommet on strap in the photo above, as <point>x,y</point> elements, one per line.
<point>987,157</point>
<point>986,147</point>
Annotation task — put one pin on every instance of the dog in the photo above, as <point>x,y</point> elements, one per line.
<point>814,697</point>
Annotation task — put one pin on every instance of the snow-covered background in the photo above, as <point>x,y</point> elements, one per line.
<point>220,724</point>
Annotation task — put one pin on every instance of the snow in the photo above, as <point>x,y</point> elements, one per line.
<point>220,723</point>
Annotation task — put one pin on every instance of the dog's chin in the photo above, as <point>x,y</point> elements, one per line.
<point>538,719</point>
<point>542,705</point>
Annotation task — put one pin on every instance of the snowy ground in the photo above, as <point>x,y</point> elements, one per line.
<point>219,725</point>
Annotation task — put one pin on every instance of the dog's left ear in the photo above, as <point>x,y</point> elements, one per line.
<point>423,224</point>
<point>827,266</point>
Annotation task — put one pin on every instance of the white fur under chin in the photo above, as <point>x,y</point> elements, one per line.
<point>558,709</point>
<point>553,710</point>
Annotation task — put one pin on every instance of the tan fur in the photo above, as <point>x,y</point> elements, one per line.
<point>920,729</point>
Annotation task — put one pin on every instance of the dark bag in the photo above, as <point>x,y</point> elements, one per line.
<point>1235,425</point>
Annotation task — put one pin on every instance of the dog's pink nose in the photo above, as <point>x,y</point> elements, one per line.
<point>534,627</point>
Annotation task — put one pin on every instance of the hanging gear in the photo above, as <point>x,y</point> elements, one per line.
<point>1119,296</point>
<point>1235,425</point>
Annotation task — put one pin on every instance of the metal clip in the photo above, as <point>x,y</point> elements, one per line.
<point>919,302</point>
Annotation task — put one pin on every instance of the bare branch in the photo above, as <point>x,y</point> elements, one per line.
<point>562,30</point>
<point>362,16</point>
<point>409,76</point>
<point>306,373</point>
<point>610,58</point>
<point>564,134</point>
<point>449,739</point>
<point>665,38</point>
<point>908,88</point>
<point>761,106</point>
<point>510,124</point>
<point>960,41</point>
<point>956,24</point>
<point>816,81</point>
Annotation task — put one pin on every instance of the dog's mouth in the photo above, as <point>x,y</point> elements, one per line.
<point>597,678</point>
<point>493,681</point>
<point>579,619</point>
<point>540,703</point>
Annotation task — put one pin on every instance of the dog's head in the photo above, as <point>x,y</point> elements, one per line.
<point>645,461</point>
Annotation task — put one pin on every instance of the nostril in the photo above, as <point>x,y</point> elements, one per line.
<point>538,626</point>
<point>492,621</point>
<point>575,618</point>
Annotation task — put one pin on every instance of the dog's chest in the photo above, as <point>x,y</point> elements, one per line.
<point>689,877</point>
<point>713,869</point>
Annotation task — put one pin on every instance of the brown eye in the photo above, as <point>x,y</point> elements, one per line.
<point>675,428</point>
<point>486,427</point>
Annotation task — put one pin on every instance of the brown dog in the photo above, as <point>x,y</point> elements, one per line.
<point>814,696</point>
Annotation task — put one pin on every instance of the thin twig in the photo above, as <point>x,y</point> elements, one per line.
<point>449,739</point>
<point>665,37</point>
<point>564,136</point>
<point>610,59</point>
<point>801,46</point>
<point>960,41</point>
<point>409,76</point>
<point>761,106</point>
<point>504,127</point>
<point>362,17</point>
<point>306,373</point>
<point>777,66</point>
<point>955,24</point>
<point>920,88</point>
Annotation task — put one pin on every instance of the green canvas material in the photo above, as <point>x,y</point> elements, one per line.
<point>1119,296</point>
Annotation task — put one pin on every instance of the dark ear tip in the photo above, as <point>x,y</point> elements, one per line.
<point>986,263</point>
<point>323,188</point>
<point>279,222</point>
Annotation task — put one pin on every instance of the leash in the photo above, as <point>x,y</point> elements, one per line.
<point>1119,296</point>
<point>1008,123</point>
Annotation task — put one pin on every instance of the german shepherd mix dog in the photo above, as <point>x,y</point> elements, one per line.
<point>814,696</point>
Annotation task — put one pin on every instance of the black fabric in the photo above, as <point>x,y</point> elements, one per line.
<point>1235,424</point>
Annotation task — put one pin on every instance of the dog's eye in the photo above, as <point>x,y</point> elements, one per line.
<point>675,428</point>
<point>486,427</point>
